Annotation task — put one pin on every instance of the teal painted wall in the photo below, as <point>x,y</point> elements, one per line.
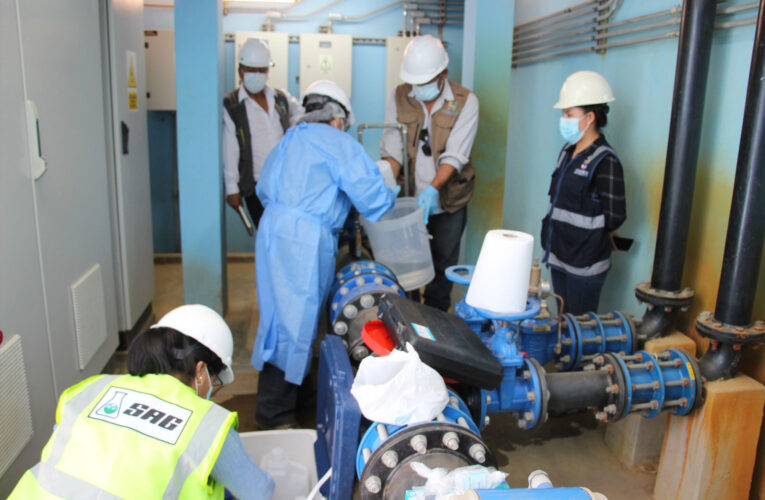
<point>491,35</point>
<point>368,95</point>
<point>642,78</point>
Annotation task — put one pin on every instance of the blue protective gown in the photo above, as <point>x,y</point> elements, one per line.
<point>307,186</point>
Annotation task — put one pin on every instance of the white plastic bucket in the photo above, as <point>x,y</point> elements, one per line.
<point>288,457</point>
<point>401,242</point>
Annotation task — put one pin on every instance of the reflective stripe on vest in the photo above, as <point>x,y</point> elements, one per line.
<point>69,414</point>
<point>578,220</point>
<point>107,455</point>
<point>195,452</point>
<point>593,270</point>
<point>63,485</point>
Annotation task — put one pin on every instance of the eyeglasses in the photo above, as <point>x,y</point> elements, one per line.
<point>217,385</point>
<point>425,142</point>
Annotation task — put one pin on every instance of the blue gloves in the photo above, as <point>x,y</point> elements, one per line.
<point>429,200</point>
<point>396,190</point>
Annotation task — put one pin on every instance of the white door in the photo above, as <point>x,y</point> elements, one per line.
<point>131,152</point>
<point>22,308</point>
<point>63,49</point>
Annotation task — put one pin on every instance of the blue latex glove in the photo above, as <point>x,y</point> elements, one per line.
<point>429,200</point>
<point>396,190</point>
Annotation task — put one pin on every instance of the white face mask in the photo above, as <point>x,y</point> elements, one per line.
<point>209,381</point>
<point>255,82</point>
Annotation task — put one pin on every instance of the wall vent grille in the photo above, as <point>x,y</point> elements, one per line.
<point>89,314</point>
<point>15,412</point>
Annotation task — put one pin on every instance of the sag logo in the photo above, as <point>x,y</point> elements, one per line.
<point>112,407</point>
<point>160,418</point>
<point>142,412</point>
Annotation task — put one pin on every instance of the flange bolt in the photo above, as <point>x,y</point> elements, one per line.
<point>373,484</point>
<point>478,453</point>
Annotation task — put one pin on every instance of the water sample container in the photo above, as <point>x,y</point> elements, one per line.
<point>401,242</point>
<point>290,478</point>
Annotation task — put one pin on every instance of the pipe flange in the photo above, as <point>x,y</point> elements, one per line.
<point>620,393</point>
<point>708,326</point>
<point>385,478</point>
<point>352,318</point>
<point>663,298</point>
<point>543,393</point>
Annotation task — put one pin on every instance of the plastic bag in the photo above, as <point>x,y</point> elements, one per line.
<point>440,484</point>
<point>399,389</point>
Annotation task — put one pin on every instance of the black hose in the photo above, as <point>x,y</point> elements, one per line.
<point>746,225</point>
<point>694,48</point>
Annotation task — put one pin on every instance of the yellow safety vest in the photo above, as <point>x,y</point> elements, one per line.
<point>121,436</point>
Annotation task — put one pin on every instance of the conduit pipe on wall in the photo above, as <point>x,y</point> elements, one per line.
<point>665,294</point>
<point>544,42</point>
<point>731,326</point>
<point>605,6</point>
<point>602,13</point>
<point>590,29</point>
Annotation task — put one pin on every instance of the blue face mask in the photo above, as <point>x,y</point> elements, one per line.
<point>427,92</point>
<point>569,129</point>
<point>255,82</point>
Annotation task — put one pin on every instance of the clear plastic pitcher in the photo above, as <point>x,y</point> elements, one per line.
<point>401,242</point>
<point>290,478</point>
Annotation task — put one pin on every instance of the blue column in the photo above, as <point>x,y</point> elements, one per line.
<point>199,92</point>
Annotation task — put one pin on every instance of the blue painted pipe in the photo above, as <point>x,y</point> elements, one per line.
<point>533,494</point>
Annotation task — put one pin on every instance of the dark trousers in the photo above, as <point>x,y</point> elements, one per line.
<point>446,229</point>
<point>276,398</point>
<point>580,294</point>
<point>255,207</point>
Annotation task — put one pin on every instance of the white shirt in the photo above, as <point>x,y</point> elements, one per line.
<point>265,132</point>
<point>458,145</point>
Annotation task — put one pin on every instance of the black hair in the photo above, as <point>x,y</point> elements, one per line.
<point>601,112</point>
<point>166,350</point>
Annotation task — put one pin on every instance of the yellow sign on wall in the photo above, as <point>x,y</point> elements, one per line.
<point>131,70</point>
<point>132,100</point>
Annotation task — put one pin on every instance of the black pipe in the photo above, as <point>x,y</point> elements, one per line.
<point>655,322</point>
<point>746,225</point>
<point>694,48</point>
<point>720,361</point>
<point>577,390</point>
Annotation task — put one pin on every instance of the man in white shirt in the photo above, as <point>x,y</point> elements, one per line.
<point>442,120</point>
<point>255,118</point>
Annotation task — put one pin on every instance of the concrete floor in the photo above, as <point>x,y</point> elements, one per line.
<point>570,449</point>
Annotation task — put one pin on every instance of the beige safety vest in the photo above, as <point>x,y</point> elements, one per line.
<point>458,189</point>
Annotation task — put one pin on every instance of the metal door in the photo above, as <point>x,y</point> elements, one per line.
<point>63,51</point>
<point>22,308</point>
<point>132,194</point>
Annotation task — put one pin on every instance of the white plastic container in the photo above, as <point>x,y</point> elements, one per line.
<point>401,242</point>
<point>288,456</point>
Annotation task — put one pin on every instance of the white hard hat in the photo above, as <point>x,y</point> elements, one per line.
<point>254,53</point>
<point>424,58</point>
<point>331,89</point>
<point>206,327</point>
<point>582,89</point>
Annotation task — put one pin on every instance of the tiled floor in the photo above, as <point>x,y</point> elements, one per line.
<point>571,450</point>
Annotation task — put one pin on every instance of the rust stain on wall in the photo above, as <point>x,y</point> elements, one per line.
<point>706,244</point>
